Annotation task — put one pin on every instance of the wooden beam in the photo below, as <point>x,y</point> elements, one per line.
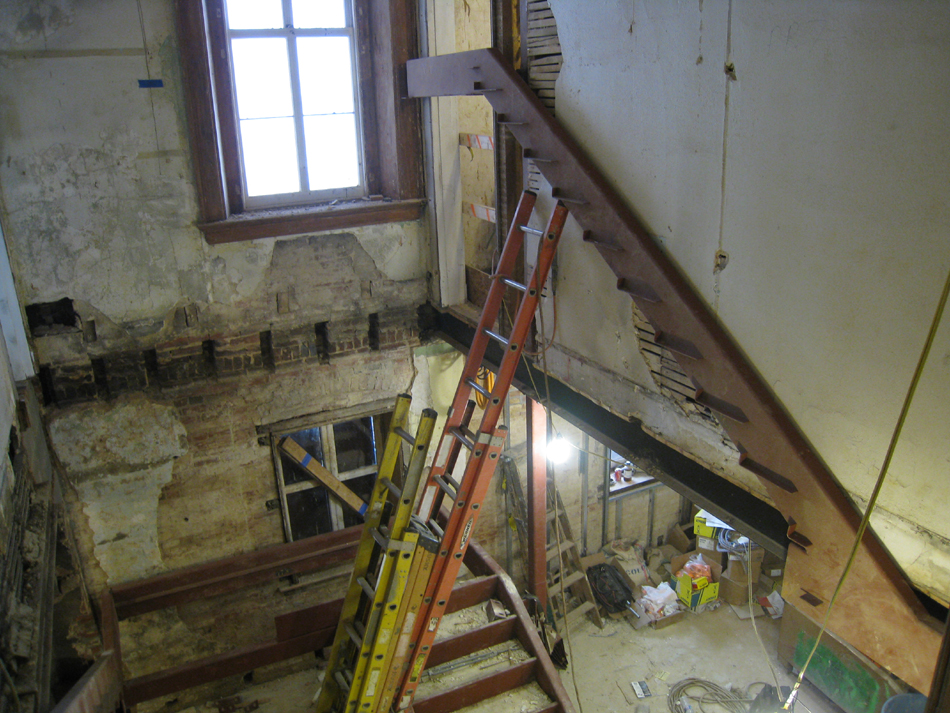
<point>314,219</point>
<point>200,110</point>
<point>478,690</point>
<point>213,668</point>
<point>232,573</point>
<point>537,429</point>
<point>310,464</point>
<point>455,647</point>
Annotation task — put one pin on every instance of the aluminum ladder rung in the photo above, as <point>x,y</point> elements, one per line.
<point>478,387</point>
<point>392,487</point>
<point>355,636</point>
<point>531,231</point>
<point>436,528</point>
<point>465,437</point>
<point>443,482</point>
<point>366,587</point>
<point>342,681</point>
<point>381,537</point>
<point>405,435</point>
<point>514,283</point>
<point>497,337</point>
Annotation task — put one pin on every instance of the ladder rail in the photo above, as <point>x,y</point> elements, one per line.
<point>364,551</point>
<point>381,549</point>
<point>462,514</point>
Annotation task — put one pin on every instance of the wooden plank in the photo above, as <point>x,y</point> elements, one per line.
<point>232,573</point>
<point>313,219</point>
<point>478,690</point>
<point>200,111</point>
<point>293,449</point>
<point>455,647</point>
<point>213,668</point>
<point>304,621</point>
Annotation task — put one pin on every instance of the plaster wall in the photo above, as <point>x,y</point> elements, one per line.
<point>807,141</point>
<point>163,468</point>
<point>98,191</point>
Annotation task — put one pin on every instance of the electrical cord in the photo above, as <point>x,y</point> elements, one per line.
<point>925,353</point>
<point>703,692</point>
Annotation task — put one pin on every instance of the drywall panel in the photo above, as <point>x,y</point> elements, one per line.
<point>641,89</point>
<point>836,222</point>
<point>810,146</point>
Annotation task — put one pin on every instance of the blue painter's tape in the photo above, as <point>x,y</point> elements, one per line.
<point>306,459</point>
<point>362,509</point>
<point>151,84</point>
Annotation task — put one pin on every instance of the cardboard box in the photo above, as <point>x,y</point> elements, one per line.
<point>677,537</point>
<point>733,591</point>
<point>773,566</point>
<point>705,525</point>
<point>694,598</point>
<point>739,568</point>
<point>712,555</point>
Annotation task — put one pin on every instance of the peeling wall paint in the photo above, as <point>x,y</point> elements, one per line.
<point>98,189</point>
<point>122,510</point>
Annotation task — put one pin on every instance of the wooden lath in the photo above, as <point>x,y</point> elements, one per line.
<point>877,611</point>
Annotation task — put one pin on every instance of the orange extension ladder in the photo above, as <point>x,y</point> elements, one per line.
<point>448,506</point>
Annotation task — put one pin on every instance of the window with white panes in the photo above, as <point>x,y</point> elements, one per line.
<point>294,72</point>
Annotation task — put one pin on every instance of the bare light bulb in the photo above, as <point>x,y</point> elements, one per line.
<point>558,450</point>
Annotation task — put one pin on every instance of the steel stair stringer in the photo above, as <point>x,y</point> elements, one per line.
<point>877,611</point>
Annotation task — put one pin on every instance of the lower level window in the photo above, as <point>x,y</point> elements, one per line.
<point>350,450</point>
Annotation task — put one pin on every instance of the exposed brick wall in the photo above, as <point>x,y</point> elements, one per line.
<point>195,358</point>
<point>213,503</point>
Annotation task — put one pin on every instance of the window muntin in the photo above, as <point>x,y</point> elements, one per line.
<point>350,451</point>
<point>297,105</point>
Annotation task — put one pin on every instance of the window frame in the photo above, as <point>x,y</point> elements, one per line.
<point>379,411</point>
<point>289,35</point>
<point>386,37</point>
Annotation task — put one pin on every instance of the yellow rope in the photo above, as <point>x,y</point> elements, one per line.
<point>938,315</point>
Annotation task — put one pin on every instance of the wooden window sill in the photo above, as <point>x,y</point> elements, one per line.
<point>281,222</point>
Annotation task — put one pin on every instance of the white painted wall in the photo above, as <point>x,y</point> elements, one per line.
<point>823,170</point>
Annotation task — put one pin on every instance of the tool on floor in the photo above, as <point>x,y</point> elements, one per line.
<point>386,561</point>
<point>450,506</point>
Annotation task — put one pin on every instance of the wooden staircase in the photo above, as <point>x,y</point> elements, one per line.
<point>821,518</point>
